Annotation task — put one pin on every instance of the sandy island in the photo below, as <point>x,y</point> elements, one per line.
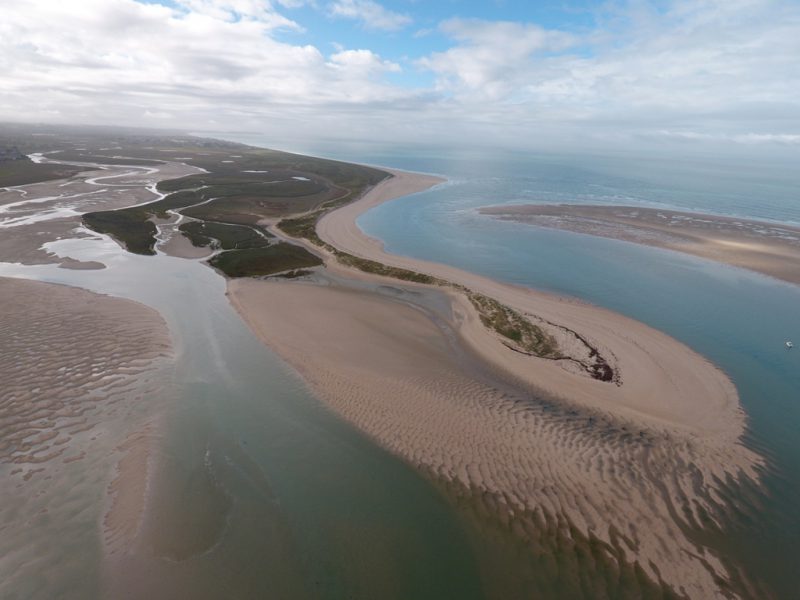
<point>769,248</point>
<point>633,463</point>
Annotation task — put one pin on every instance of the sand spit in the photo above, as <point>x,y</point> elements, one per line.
<point>660,378</point>
<point>636,465</point>
<point>128,492</point>
<point>767,248</point>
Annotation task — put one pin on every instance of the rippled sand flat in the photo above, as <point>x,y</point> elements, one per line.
<point>574,485</point>
<point>77,369</point>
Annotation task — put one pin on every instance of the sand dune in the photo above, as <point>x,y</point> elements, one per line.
<point>637,464</point>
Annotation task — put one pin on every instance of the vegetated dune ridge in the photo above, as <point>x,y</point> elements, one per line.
<point>76,370</point>
<point>769,248</point>
<point>637,466</point>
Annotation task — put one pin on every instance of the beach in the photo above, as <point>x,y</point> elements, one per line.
<point>414,367</point>
<point>769,248</point>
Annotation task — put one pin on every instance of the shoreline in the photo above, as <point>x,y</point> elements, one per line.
<point>770,249</point>
<point>645,357</point>
<point>347,344</point>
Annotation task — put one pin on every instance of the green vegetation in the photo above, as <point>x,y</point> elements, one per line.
<point>371,266</point>
<point>23,172</point>
<point>305,227</point>
<point>225,236</point>
<point>270,260</point>
<point>294,274</point>
<point>526,336</point>
<point>522,335</point>
<point>241,187</point>
<point>130,227</point>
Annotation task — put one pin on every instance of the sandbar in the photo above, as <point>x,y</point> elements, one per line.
<point>769,248</point>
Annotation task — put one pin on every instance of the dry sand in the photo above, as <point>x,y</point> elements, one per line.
<point>767,248</point>
<point>633,464</point>
<point>661,379</point>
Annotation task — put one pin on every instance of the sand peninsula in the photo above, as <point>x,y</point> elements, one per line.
<point>769,248</point>
<point>634,462</point>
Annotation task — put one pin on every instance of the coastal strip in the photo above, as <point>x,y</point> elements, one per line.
<point>632,465</point>
<point>769,248</point>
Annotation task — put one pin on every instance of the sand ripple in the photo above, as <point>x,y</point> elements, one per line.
<point>65,353</point>
<point>616,489</point>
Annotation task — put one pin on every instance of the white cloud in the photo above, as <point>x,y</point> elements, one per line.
<point>262,11</point>
<point>491,58</point>
<point>370,13</point>
<point>722,68</point>
<point>691,71</point>
<point>113,60</point>
<point>362,62</point>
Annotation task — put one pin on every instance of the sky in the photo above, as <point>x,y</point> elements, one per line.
<point>522,73</point>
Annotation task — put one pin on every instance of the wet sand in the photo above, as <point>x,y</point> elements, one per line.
<point>769,248</point>
<point>74,366</point>
<point>179,245</point>
<point>635,465</point>
<point>65,350</point>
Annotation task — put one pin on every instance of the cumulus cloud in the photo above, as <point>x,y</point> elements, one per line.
<point>202,60</point>
<point>683,70</point>
<point>698,65</point>
<point>371,14</point>
<point>491,59</point>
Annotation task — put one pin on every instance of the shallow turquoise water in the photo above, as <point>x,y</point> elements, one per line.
<point>738,319</point>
